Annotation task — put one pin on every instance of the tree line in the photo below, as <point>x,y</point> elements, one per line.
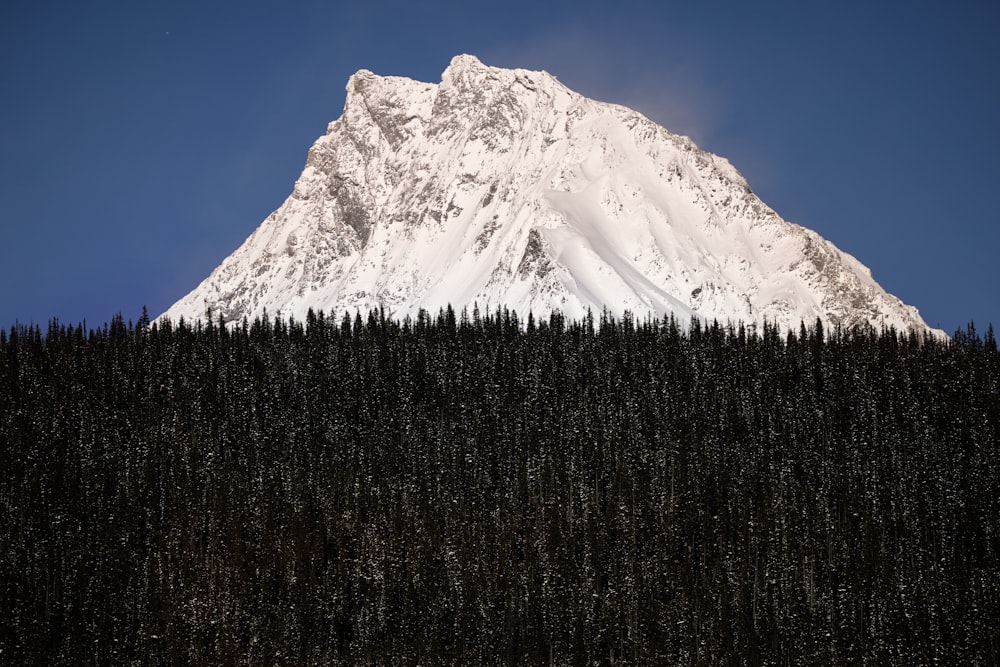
<point>477,488</point>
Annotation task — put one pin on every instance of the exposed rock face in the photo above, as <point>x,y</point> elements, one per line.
<point>504,188</point>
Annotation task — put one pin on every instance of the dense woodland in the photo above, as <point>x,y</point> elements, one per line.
<point>475,489</point>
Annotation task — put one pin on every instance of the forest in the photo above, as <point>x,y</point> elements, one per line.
<point>477,488</point>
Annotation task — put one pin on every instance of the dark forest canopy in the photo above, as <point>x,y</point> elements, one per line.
<point>478,489</point>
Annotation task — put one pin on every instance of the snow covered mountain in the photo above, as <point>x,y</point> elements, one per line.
<point>504,188</point>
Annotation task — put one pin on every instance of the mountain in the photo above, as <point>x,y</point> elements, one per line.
<point>503,188</point>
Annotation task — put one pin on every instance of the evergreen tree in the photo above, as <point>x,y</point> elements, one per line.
<point>468,490</point>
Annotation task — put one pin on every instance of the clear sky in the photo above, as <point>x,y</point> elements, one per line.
<point>142,141</point>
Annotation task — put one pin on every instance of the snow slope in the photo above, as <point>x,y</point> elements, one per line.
<point>504,188</point>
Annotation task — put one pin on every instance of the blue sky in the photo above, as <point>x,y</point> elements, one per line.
<point>141,142</point>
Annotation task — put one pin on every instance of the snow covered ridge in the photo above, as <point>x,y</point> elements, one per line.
<point>503,188</point>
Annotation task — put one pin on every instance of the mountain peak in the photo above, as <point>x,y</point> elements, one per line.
<point>464,61</point>
<point>503,188</point>
<point>467,78</point>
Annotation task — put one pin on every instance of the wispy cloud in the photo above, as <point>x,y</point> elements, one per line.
<point>667,83</point>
